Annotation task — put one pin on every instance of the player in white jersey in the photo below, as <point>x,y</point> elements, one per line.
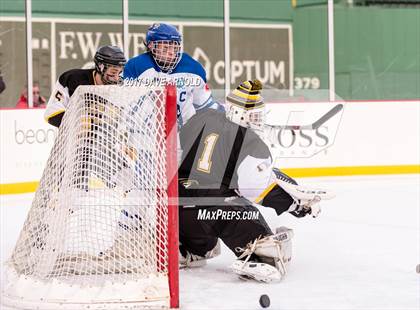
<point>165,62</point>
<point>109,63</point>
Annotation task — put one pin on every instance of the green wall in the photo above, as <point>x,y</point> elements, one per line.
<point>377,50</point>
<point>258,10</point>
<point>378,53</point>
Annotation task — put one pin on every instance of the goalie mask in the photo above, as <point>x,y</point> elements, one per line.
<point>109,63</point>
<point>163,41</point>
<point>245,106</point>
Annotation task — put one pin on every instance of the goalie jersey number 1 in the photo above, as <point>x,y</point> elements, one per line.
<point>204,163</point>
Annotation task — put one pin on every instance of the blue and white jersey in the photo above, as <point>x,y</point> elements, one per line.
<point>189,77</point>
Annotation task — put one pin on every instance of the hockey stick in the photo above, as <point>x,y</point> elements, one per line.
<point>312,126</point>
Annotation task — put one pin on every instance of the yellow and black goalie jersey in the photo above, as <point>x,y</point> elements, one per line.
<point>213,149</point>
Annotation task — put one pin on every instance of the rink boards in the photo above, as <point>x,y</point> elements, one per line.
<point>380,137</point>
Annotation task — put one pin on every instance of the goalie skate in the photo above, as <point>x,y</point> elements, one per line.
<point>260,272</point>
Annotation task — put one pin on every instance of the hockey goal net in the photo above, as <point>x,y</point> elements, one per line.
<point>102,229</point>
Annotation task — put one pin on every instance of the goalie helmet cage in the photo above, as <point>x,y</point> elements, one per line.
<point>102,231</point>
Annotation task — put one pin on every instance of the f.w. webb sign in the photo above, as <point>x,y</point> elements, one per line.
<point>259,51</point>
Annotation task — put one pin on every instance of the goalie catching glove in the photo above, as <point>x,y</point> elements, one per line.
<point>285,195</point>
<point>305,199</point>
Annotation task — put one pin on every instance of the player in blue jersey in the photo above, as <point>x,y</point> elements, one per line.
<point>165,61</point>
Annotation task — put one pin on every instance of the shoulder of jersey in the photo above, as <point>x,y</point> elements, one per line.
<point>141,63</point>
<point>187,64</point>
<point>228,125</point>
<point>74,75</point>
<point>258,147</point>
<point>217,118</point>
<point>211,114</point>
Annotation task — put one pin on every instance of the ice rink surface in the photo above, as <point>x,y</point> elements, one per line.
<point>360,253</point>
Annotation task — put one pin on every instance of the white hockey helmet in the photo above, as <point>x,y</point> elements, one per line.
<point>245,106</point>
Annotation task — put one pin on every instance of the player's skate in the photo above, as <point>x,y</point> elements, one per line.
<point>265,259</point>
<point>260,272</point>
<point>189,260</point>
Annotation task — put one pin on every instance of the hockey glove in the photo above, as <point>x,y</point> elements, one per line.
<point>305,199</point>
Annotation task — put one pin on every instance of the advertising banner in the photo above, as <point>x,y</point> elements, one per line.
<point>363,138</point>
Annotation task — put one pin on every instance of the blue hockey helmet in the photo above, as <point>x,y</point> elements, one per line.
<point>162,32</point>
<point>163,41</point>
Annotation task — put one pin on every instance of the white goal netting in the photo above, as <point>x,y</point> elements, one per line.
<point>97,232</point>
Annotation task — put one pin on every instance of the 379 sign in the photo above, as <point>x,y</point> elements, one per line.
<point>307,82</point>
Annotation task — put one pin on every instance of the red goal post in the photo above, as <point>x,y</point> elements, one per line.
<point>172,192</point>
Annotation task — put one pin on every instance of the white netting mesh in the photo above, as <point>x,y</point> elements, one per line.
<point>97,228</point>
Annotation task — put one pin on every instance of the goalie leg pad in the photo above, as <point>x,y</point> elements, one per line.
<point>274,251</point>
<point>276,246</point>
<point>189,260</point>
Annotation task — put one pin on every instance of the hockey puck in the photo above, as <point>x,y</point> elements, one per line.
<point>264,301</point>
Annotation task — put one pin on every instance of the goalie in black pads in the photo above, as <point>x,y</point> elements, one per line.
<point>223,155</point>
